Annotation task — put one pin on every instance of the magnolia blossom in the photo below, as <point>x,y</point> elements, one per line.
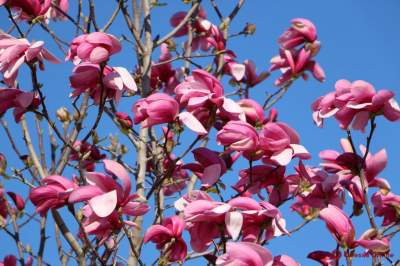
<point>106,200</point>
<point>53,194</point>
<point>354,104</point>
<point>280,143</point>
<point>377,245</point>
<point>21,101</point>
<point>245,254</point>
<point>168,238</point>
<point>178,179</point>
<point>162,73</point>
<point>325,258</point>
<point>95,47</point>
<point>339,224</point>
<point>198,23</point>
<point>158,108</point>
<point>54,13</point>
<point>210,167</point>
<point>386,205</point>
<point>28,9</point>
<point>14,52</point>
<point>253,111</point>
<point>239,136</point>
<point>112,83</point>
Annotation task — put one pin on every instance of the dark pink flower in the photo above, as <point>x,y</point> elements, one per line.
<point>301,31</point>
<point>168,238</point>
<point>28,9</point>
<point>21,101</point>
<point>9,260</point>
<point>325,258</point>
<point>245,254</point>
<point>53,194</point>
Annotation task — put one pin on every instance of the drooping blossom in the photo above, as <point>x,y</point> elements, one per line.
<point>106,199</point>
<point>21,101</point>
<point>353,104</point>
<point>210,167</point>
<point>112,84</point>
<point>28,9</point>
<point>14,52</point>
<point>95,47</point>
<point>158,108</point>
<point>52,194</point>
<point>168,238</point>
<point>339,224</point>
<point>280,143</point>
<point>245,254</point>
<point>86,154</point>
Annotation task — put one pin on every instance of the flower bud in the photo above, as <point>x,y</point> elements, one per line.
<point>3,164</point>
<point>124,120</point>
<point>63,115</point>
<point>250,29</point>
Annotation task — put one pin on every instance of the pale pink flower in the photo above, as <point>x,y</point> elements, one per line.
<point>14,52</point>
<point>95,47</point>
<point>168,238</point>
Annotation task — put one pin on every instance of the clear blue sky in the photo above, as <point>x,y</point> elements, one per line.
<point>360,40</point>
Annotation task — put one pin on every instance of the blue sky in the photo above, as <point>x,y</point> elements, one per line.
<point>360,40</point>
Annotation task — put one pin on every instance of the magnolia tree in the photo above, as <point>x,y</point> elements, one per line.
<point>99,206</point>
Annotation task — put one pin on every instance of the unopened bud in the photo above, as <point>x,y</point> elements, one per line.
<point>63,115</point>
<point>250,29</point>
<point>124,120</point>
<point>3,164</point>
<point>171,44</point>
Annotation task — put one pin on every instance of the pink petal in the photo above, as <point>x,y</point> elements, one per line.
<point>211,175</point>
<point>127,78</point>
<point>112,167</point>
<point>234,222</point>
<point>99,55</point>
<point>192,123</point>
<point>103,205</point>
<point>283,157</point>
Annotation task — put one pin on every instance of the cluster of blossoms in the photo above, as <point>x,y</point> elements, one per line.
<point>106,200</point>
<point>298,47</point>
<point>354,104</point>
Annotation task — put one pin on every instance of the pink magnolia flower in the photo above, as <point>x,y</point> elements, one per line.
<point>210,167</point>
<point>53,194</point>
<point>239,136</point>
<point>339,224</point>
<point>193,195</point>
<point>253,111</point>
<point>115,80</point>
<point>95,47</point>
<point>325,258</point>
<point>28,9</point>
<point>178,179</point>
<point>374,244</point>
<point>198,24</point>
<point>231,67</point>
<point>9,260</point>
<point>86,155</point>
<point>354,104</point>
<point>245,254</point>
<point>106,200</point>
<point>284,260</point>
<point>251,77</point>
<point>199,90</point>
<point>55,14</point>
<point>301,31</point>
<point>14,52</point>
<point>168,238</point>
<point>21,101</point>
<point>280,143</point>
<point>158,108</point>
<point>386,205</point>
<point>5,207</point>
<point>162,73</point>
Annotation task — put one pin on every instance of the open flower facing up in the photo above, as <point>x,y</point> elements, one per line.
<point>112,84</point>
<point>106,199</point>
<point>158,108</point>
<point>353,104</point>
<point>168,238</point>
<point>245,254</point>
<point>95,47</point>
<point>14,52</point>
<point>53,194</point>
